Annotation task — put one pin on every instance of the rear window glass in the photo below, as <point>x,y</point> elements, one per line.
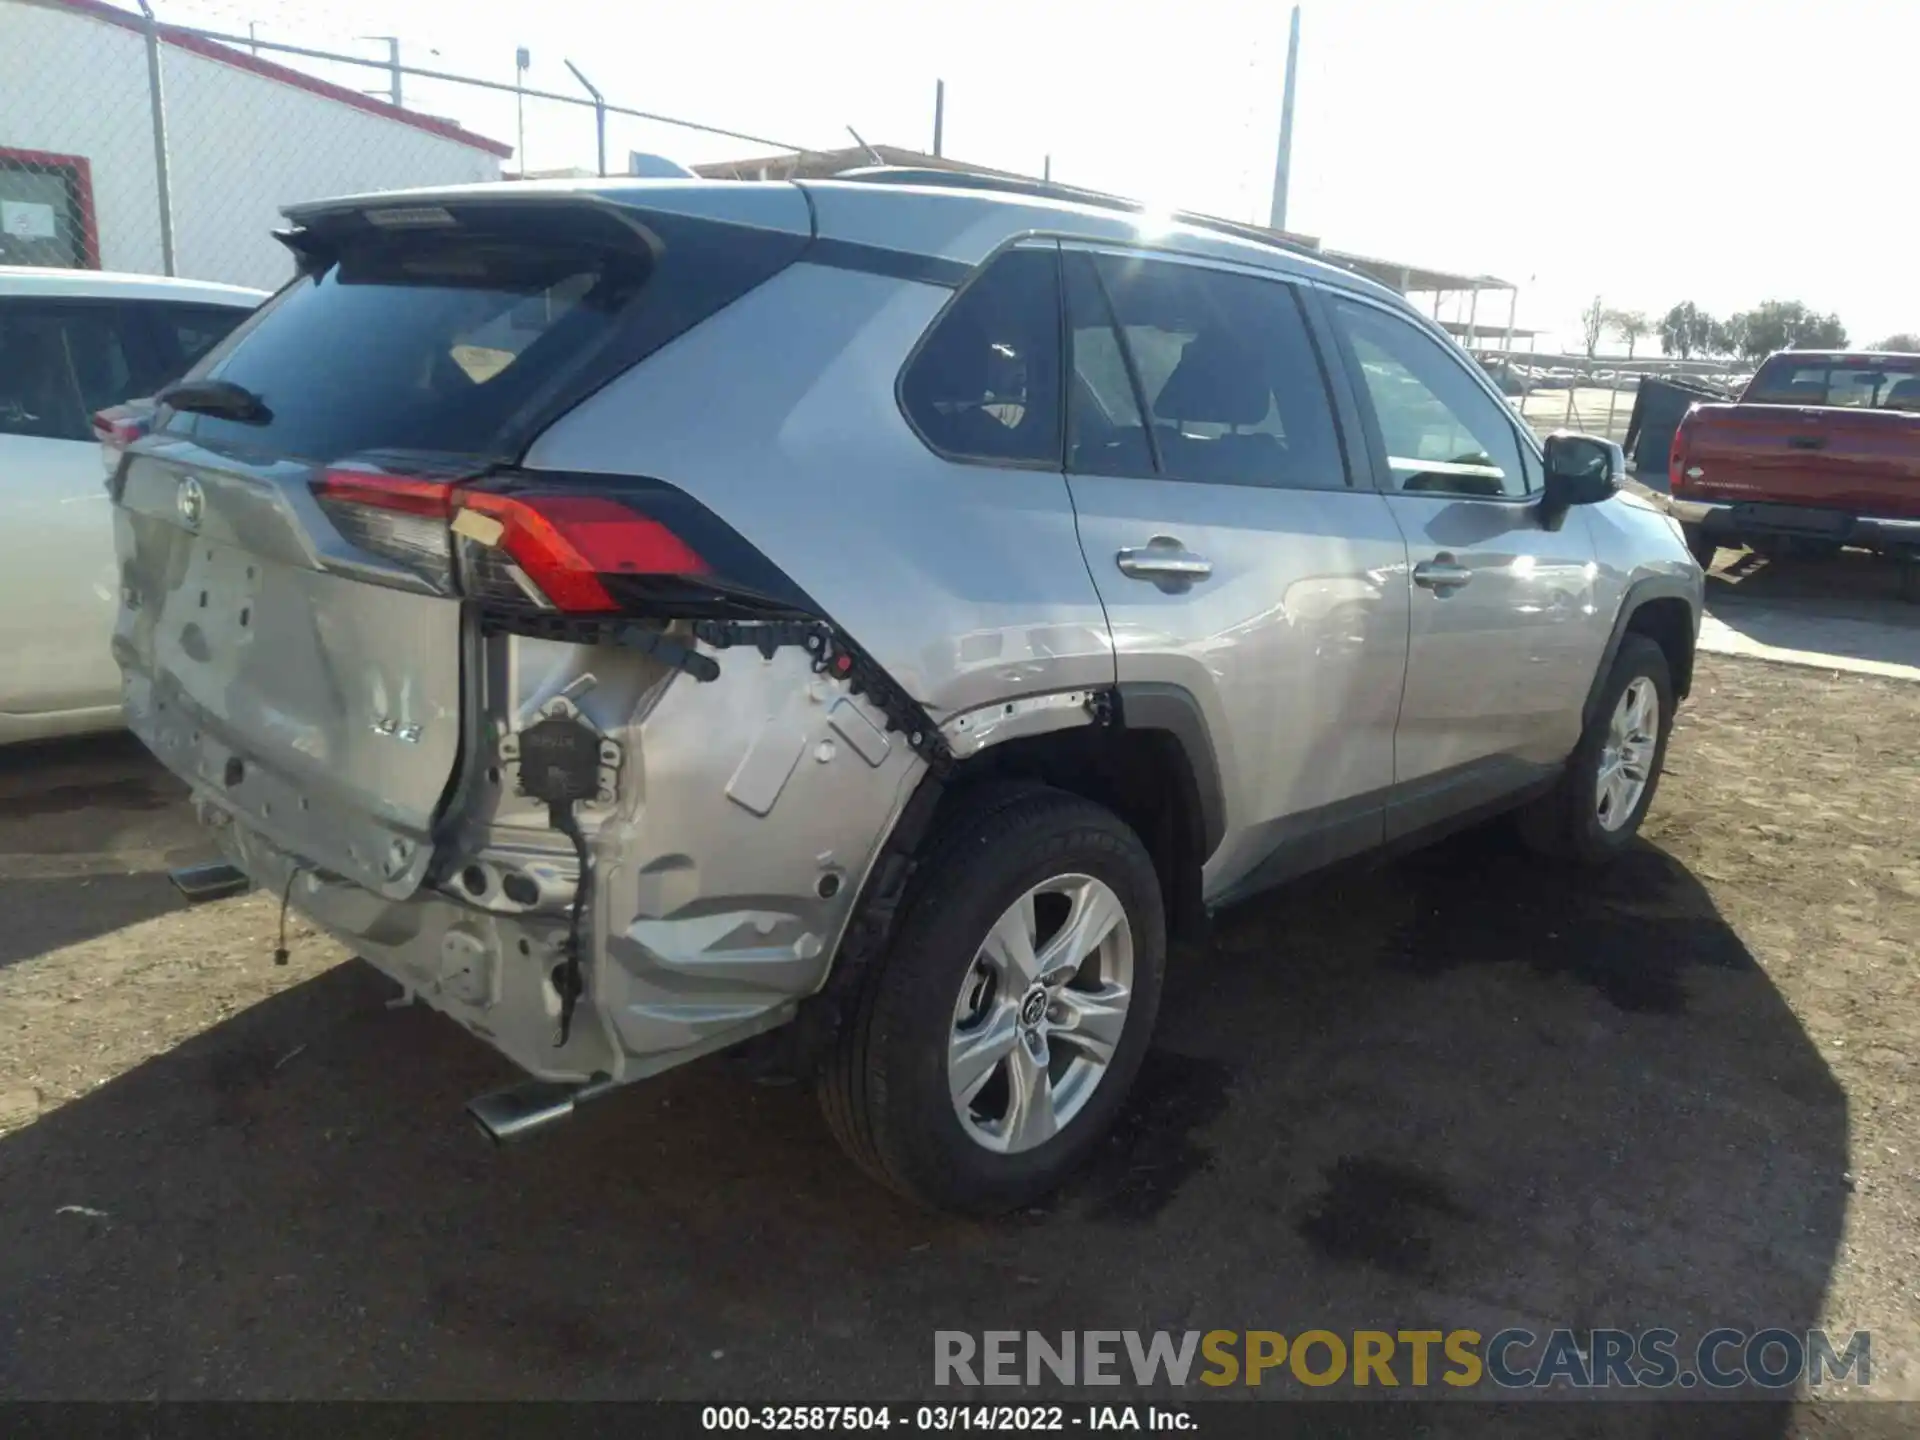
<point>1863,384</point>
<point>419,344</point>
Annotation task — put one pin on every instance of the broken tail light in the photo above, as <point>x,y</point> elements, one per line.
<point>570,545</point>
<point>400,518</point>
<point>118,427</point>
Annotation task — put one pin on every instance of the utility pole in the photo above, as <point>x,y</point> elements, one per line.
<point>1283,163</point>
<point>939,113</point>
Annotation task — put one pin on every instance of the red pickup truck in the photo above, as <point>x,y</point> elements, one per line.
<point>1822,450</point>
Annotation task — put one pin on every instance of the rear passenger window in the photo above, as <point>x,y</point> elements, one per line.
<point>1222,367</point>
<point>1442,432</point>
<point>985,384</point>
<point>189,331</point>
<point>59,364</point>
<point>1105,434</point>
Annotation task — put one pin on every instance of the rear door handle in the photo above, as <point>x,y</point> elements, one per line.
<point>1164,561</point>
<point>1442,573</point>
<point>1807,442</point>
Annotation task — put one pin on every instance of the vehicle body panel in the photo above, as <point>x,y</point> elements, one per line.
<point>893,535</point>
<point>1860,462</point>
<point>1496,666</point>
<point>28,281</point>
<point>58,594</point>
<point>734,800</point>
<point>324,712</point>
<point>1294,646</point>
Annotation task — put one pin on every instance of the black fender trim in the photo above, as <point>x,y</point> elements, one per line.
<point>1648,587</point>
<point>1156,705</point>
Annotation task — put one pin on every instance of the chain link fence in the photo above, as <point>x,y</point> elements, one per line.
<point>130,144</point>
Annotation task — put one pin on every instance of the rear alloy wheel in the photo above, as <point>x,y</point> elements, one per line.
<point>1040,1014</point>
<point>995,1040</point>
<point>1595,810</point>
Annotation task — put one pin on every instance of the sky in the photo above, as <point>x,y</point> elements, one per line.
<point>1645,151</point>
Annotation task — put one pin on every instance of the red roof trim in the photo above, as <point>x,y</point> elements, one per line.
<point>241,60</point>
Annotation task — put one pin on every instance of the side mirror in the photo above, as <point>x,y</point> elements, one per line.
<point>1581,470</point>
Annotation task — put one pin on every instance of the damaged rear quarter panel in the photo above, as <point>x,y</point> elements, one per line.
<point>744,818</point>
<point>758,803</point>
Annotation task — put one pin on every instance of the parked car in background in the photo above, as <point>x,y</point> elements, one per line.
<point>640,617</point>
<point>1821,450</point>
<point>73,342</point>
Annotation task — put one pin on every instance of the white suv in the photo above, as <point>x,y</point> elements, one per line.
<point>73,342</point>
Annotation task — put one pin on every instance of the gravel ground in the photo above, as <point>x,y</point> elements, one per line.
<point>1460,1090</point>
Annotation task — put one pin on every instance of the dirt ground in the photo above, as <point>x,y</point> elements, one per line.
<point>1460,1090</point>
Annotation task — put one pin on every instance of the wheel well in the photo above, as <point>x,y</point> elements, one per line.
<point>1668,622</point>
<point>1142,775</point>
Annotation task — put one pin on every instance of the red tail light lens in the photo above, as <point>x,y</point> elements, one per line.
<point>553,551</point>
<point>565,544</point>
<point>117,428</point>
<point>1677,458</point>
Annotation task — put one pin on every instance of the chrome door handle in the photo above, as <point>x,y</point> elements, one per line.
<point>1441,573</point>
<point>1163,560</point>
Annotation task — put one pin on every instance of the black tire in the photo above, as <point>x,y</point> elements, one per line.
<point>1910,579</point>
<point>884,1089</point>
<point>1701,546</point>
<point>1565,822</point>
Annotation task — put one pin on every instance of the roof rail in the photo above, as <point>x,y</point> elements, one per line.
<point>1053,190</point>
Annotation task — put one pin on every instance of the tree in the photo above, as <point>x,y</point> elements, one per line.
<point>1593,323</point>
<point>1686,328</point>
<point>1823,332</point>
<point>1728,336</point>
<point>1905,343</point>
<point>1631,326</point>
<point>1786,325</point>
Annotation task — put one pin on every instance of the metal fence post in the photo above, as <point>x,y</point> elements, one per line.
<point>599,113</point>
<point>162,178</point>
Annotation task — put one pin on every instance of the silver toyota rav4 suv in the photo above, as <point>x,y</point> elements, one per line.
<point>639,617</point>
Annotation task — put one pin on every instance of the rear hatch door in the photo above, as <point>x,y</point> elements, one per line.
<point>300,657</point>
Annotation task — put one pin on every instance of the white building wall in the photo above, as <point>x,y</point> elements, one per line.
<point>241,145</point>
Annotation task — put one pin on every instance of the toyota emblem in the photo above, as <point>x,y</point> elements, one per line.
<point>191,501</point>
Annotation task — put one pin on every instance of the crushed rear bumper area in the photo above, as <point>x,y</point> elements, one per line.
<point>724,876</point>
